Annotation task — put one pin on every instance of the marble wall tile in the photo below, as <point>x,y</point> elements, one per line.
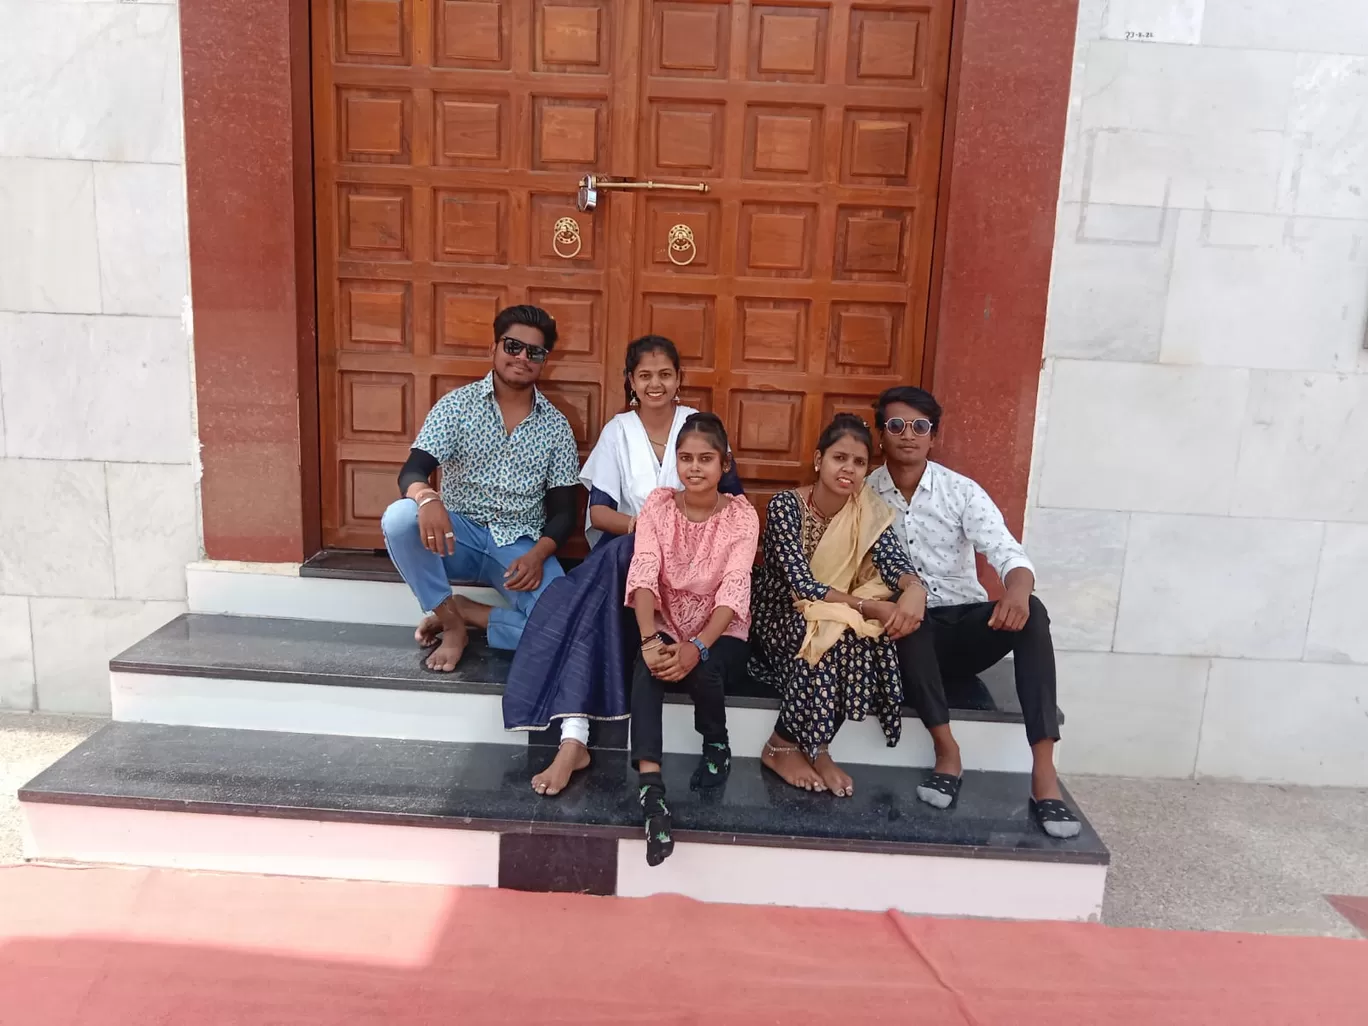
<point>124,383</point>
<point>1154,21</point>
<point>74,639</point>
<point>1327,169</point>
<point>90,81</point>
<point>1186,90</point>
<point>54,529</point>
<point>154,523</point>
<point>1078,556</point>
<point>1304,453</point>
<point>1217,586</point>
<point>16,654</point>
<point>1130,436</point>
<point>1223,169</point>
<point>1109,281</point>
<point>48,258</point>
<point>1260,291</point>
<point>1338,632</point>
<point>1131,715</point>
<point>1286,722</point>
<point>1322,26</point>
<point>140,219</point>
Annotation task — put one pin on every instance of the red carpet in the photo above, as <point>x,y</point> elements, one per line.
<point>101,947</point>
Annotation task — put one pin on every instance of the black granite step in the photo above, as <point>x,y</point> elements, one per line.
<point>485,787</point>
<point>375,656</point>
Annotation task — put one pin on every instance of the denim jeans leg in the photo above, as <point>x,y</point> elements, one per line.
<point>427,574</point>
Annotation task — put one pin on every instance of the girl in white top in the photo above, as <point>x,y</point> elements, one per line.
<point>634,454</point>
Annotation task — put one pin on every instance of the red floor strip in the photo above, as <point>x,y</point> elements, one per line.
<point>109,947</point>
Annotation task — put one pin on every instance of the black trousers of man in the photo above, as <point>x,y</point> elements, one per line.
<point>705,683</point>
<point>956,642</point>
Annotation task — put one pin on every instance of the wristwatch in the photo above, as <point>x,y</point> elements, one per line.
<point>703,652</point>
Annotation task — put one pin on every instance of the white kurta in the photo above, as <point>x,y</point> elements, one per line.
<point>624,465</point>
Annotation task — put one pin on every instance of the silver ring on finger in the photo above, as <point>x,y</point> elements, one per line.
<point>449,534</point>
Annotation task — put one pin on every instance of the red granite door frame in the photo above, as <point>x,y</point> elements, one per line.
<point>249,186</point>
<point>248,140</point>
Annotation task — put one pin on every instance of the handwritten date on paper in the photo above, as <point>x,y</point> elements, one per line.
<point>1141,36</point>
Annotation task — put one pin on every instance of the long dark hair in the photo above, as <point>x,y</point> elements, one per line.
<point>846,425</point>
<point>709,425</point>
<point>639,348</point>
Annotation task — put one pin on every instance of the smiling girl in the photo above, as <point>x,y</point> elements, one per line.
<point>826,615</point>
<point>689,584</point>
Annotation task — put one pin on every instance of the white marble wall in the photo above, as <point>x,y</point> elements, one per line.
<point>1199,505</point>
<point>98,493</point>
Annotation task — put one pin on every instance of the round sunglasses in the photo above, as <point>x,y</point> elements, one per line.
<point>897,425</point>
<point>514,346</point>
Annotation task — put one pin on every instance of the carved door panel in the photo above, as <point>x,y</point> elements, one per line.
<point>449,135</point>
<point>818,128</point>
<point>449,139</point>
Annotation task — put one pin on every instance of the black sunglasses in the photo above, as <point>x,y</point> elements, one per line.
<point>897,425</point>
<point>513,346</point>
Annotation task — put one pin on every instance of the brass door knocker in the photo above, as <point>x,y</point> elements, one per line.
<point>565,235</point>
<point>681,242</point>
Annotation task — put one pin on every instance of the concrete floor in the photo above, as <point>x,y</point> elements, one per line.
<point>1186,855</point>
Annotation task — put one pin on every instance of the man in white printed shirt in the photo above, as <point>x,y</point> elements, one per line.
<point>942,518</point>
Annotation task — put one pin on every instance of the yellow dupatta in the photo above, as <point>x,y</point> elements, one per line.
<point>842,561</point>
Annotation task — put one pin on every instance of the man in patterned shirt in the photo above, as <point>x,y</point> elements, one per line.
<point>942,518</point>
<point>510,473</point>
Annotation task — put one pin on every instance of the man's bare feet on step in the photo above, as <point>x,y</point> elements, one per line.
<point>454,638</point>
<point>476,614</point>
<point>571,757</point>
<point>791,765</point>
<point>428,632</point>
<point>837,780</point>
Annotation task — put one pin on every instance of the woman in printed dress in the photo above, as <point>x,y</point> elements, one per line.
<point>834,592</point>
<point>690,587</point>
<point>576,654</point>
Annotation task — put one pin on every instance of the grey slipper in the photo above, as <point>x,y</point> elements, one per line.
<point>1055,818</point>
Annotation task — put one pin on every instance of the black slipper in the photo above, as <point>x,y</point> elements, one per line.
<point>1055,818</point>
<point>940,790</point>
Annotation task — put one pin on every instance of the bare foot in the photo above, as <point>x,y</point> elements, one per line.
<point>1045,784</point>
<point>949,762</point>
<point>472,612</point>
<point>1044,779</point>
<point>571,756</point>
<point>791,765</point>
<point>837,779</point>
<point>428,632</point>
<point>446,655</point>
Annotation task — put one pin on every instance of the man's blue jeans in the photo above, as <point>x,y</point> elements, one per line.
<point>477,560</point>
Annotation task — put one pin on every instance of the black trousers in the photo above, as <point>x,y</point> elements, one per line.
<point>956,641</point>
<point>706,684</point>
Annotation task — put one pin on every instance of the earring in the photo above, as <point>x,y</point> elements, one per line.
<point>635,401</point>
<point>676,399</point>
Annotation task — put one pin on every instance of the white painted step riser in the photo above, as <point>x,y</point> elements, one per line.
<point>916,884</point>
<point>471,718</point>
<point>238,593</point>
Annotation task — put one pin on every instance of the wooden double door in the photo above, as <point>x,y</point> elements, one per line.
<point>451,135</point>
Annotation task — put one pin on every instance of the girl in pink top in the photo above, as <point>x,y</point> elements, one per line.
<point>689,583</point>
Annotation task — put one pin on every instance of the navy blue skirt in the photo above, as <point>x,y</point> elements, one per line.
<point>576,655</point>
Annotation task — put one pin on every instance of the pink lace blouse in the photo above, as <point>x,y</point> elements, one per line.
<point>692,568</point>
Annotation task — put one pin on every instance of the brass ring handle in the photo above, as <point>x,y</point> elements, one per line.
<point>681,241</point>
<point>565,234</point>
